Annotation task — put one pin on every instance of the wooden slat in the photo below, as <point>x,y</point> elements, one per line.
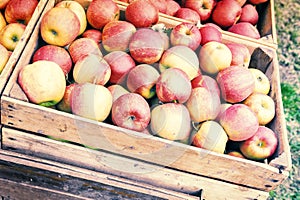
<point>157,176</point>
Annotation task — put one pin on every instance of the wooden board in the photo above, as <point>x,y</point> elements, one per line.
<point>17,113</point>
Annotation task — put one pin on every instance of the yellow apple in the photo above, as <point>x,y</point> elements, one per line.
<point>2,21</point>
<point>262,83</point>
<point>11,34</point>
<point>43,82</point>
<point>4,54</point>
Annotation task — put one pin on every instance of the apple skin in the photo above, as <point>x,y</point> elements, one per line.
<point>91,101</point>
<point>210,33</point>
<point>117,90</point>
<point>116,35</point>
<point>188,14</point>
<point>56,54</point>
<point>203,105</point>
<point>43,82</point>
<point>240,54</point>
<point>263,106</point>
<point>161,5</point>
<point>236,154</point>
<point>20,11</point>
<point>125,112</point>
<point>100,12</point>
<point>226,13</point>
<point>3,4</point>
<point>93,34</point>
<point>82,47</point>
<point>141,13</point>
<point>171,121</point>
<point>11,34</point>
<point>262,83</point>
<point>181,57</point>
<point>146,46</point>
<point>173,85</point>
<point>4,54</point>
<point>233,121</point>
<point>236,83</point>
<point>142,79</point>
<point>65,103</point>
<point>203,8</point>
<point>92,69</point>
<point>261,145</point>
<point>120,64</point>
<point>55,26</point>
<point>172,7</point>
<point>249,14</point>
<point>223,107</point>
<point>186,34</point>
<point>256,2</point>
<point>3,22</point>
<point>210,136</point>
<point>214,57</point>
<point>245,29</point>
<point>78,10</point>
<point>207,82</point>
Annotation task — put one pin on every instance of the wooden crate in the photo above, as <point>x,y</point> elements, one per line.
<point>4,76</point>
<point>26,124</point>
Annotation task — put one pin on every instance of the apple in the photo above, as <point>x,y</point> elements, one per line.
<point>82,47</point>
<point>245,29</point>
<point>141,13</point>
<point>188,14</point>
<point>100,12</point>
<point>223,107</point>
<point>262,83</point>
<point>116,35</point>
<point>203,8</point>
<point>59,26</point>
<point>2,21</point>
<point>210,33</point>
<point>203,105</point>
<point>142,79</point>
<point>78,10</point>
<point>236,154</point>
<point>181,57</point>
<point>240,54</point>
<point>261,145</point>
<point>20,11</point>
<point>43,82</point>
<point>186,34</point>
<point>207,82</point>
<point>256,2</point>
<point>93,34</point>
<point>210,136</point>
<point>56,54</point>
<point>249,14</point>
<point>11,34</point>
<point>120,64</point>
<point>171,121</point>
<point>93,69</point>
<point>241,2</point>
<point>226,13</point>
<point>4,54</point>
<point>239,122</point>
<point>236,83</point>
<point>146,46</point>
<point>161,5</point>
<point>91,101</point>
<point>214,57</point>
<point>3,4</point>
<point>162,30</point>
<point>263,106</point>
<point>117,90</point>
<point>65,103</point>
<point>172,7</point>
<point>131,111</point>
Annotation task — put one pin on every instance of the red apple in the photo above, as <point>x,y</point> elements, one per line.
<point>117,90</point>
<point>172,85</point>
<point>20,11</point>
<point>203,105</point>
<point>256,2</point>
<point>56,54</point>
<point>93,34</point>
<point>161,5</point>
<point>65,103</point>
<point>239,122</point>
<point>223,107</point>
<point>120,64</point>
<point>188,14</point>
<point>261,145</point>
<point>141,13</point>
<point>204,8</point>
<point>236,83</point>
<point>207,82</point>
<point>245,29</point>
<point>249,14</point>
<point>116,35</point>
<point>100,12</point>
<point>172,7</point>
<point>226,13</point>
<point>146,46</point>
<point>240,54</point>
<point>210,33</point>
<point>186,34</point>
<point>131,111</point>
<point>142,79</point>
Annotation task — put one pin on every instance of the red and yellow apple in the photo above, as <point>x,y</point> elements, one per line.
<point>188,14</point>
<point>240,54</point>
<point>117,90</point>
<point>11,34</point>
<point>262,83</point>
<point>65,103</point>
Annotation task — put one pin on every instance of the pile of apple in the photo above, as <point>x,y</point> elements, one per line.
<point>14,16</point>
<point>182,84</point>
